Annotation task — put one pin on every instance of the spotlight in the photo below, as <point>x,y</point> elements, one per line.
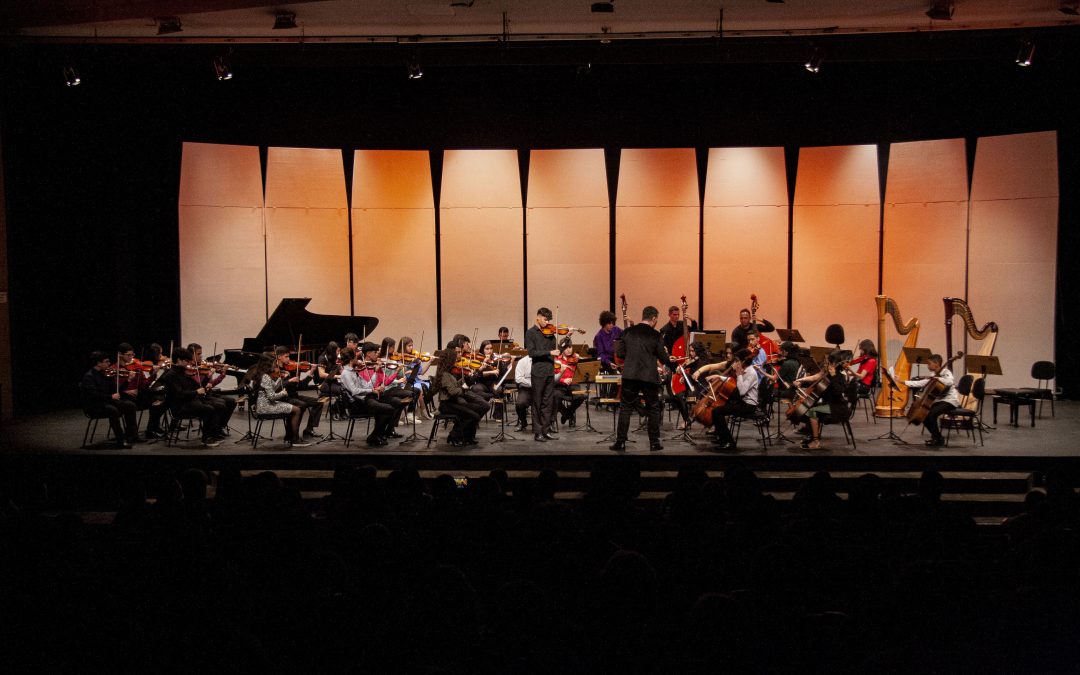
<point>1026,53</point>
<point>1070,7</point>
<point>941,10</point>
<point>606,7</point>
<point>284,20</point>
<point>222,67</point>
<point>813,64</point>
<point>170,24</point>
<point>415,71</point>
<point>71,76</point>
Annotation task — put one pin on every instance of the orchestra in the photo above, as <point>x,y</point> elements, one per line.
<point>391,381</point>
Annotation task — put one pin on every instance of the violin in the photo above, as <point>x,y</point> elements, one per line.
<point>561,329</point>
<point>302,366</point>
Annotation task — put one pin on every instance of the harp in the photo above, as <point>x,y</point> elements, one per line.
<point>890,400</point>
<point>985,336</point>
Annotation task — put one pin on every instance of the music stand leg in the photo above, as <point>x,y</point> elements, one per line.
<point>417,402</point>
<point>330,436</point>
<point>502,436</point>
<point>890,435</point>
<point>588,417</point>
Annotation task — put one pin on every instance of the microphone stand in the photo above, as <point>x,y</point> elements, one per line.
<point>890,435</point>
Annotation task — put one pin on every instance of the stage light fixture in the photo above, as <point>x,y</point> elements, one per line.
<point>1070,7</point>
<point>222,67</point>
<point>813,64</point>
<point>169,24</point>
<point>606,7</point>
<point>941,10</point>
<point>1026,54</point>
<point>284,20</point>
<point>415,71</point>
<point>71,76</point>
<point>464,4</point>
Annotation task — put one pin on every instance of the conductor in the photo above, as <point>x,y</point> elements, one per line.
<point>642,349</point>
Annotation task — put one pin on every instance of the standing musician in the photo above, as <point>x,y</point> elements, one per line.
<point>697,356</point>
<point>673,329</point>
<point>945,404</point>
<point>831,403</point>
<point>362,389</point>
<point>740,335</point>
<point>543,352</point>
<point>135,386</point>
<point>745,404</point>
<point>209,377</point>
<point>186,397</point>
<point>101,399</point>
<point>264,378</point>
<point>604,341</point>
<point>565,400</point>
<point>867,362</point>
<point>454,401</point>
<point>523,377</point>
<point>293,384</point>
<point>641,347</point>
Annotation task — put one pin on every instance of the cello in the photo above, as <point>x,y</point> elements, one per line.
<point>933,392</point>
<point>719,392</point>
<point>678,352</point>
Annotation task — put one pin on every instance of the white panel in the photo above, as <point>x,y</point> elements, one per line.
<point>481,242</point>
<point>835,242</point>
<point>567,226</point>
<point>657,221</point>
<point>307,229</point>
<point>745,201</point>
<point>394,243</point>
<point>222,272</point>
<point>925,235</point>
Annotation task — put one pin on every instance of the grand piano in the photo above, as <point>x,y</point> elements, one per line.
<point>289,321</point>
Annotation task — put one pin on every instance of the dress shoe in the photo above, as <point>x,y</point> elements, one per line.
<point>730,445</point>
<point>455,443</point>
<point>540,438</point>
<point>122,445</point>
<point>298,444</point>
<point>154,435</point>
<point>134,439</point>
<point>210,443</point>
<point>394,434</point>
<point>655,446</point>
<point>935,442</point>
<point>520,428</point>
<point>311,433</point>
<point>618,446</point>
<point>376,442</point>
<point>472,441</point>
<point>572,422</point>
<point>548,437</point>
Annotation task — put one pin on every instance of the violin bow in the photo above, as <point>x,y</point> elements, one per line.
<point>117,369</point>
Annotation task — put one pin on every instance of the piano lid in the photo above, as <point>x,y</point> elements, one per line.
<point>290,320</point>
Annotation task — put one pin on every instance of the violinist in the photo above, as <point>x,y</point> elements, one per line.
<point>542,349</point>
<point>158,360</point>
<point>327,370</point>
<point>641,347</point>
<point>298,376</point>
<point>352,340</point>
<point>362,388</point>
<point>209,376</point>
<point>101,399</point>
<point>831,403</point>
<point>265,378</point>
<point>867,362</point>
<point>453,399</point>
<point>185,397</point>
<point>488,375</point>
<point>604,341</point>
<point>945,404</point>
<point>740,335</point>
<point>565,400</point>
<point>135,386</point>
<point>697,356</point>
<point>392,380</point>
<point>419,373</point>
<point>673,329</point>
<point>744,405</point>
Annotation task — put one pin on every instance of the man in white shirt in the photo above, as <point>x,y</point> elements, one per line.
<point>523,377</point>
<point>743,405</point>
<point>946,402</point>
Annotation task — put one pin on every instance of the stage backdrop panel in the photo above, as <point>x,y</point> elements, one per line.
<point>1013,268</point>
<point>307,229</point>
<point>481,242</point>
<point>567,232</point>
<point>745,206</point>
<point>925,257</point>
<point>222,270</point>
<point>394,243</point>
<point>656,229</point>
<point>835,242</point>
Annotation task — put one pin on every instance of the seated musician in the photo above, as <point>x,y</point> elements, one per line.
<point>101,399</point>
<point>948,401</point>
<point>209,377</point>
<point>485,378</point>
<point>523,378</point>
<point>265,380</point>
<point>392,379</point>
<point>418,373</point>
<point>186,397</point>
<point>158,360</point>
<point>360,382</point>
<point>567,402</point>
<point>788,369</point>
<point>867,363</point>
<point>740,335</point>
<point>327,369</point>
<point>831,403</point>
<point>453,399</point>
<point>297,380</point>
<point>697,356</point>
<point>135,386</point>
<point>352,341</point>
<point>604,341</point>
<point>744,404</point>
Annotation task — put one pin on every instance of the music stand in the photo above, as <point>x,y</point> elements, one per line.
<point>985,366</point>
<point>501,385</point>
<point>586,372</point>
<point>789,335</point>
<point>582,350</point>
<point>716,341</point>
<point>809,365</point>
<point>918,356</point>
<point>890,435</point>
<point>691,386</point>
<point>820,354</point>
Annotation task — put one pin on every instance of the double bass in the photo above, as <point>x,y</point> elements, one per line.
<point>931,394</point>
<point>679,351</point>
<point>626,324</point>
<point>768,344</point>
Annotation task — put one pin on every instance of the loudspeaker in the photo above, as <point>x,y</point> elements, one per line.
<point>834,334</point>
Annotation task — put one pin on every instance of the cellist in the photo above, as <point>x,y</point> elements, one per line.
<point>832,402</point>
<point>743,405</point>
<point>945,403</point>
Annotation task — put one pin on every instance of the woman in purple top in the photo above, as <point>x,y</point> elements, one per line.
<point>604,342</point>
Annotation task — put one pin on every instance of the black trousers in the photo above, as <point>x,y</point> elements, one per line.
<point>397,398</point>
<point>522,404</point>
<point>567,402</point>
<point>146,401</point>
<point>225,406</point>
<point>543,403</point>
<point>720,421</point>
<point>115,410</point>
<point>313,406</point>
<point>632,392</point>
<point>469,412</point>
<point>212,417</point>
<point>936,411</point>
<point>383,413</point>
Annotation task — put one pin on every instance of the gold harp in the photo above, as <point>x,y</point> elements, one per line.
<point>985,336</point>
<point>891,401</point>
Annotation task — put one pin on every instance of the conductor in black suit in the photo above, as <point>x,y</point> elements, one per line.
<point>641,347</point>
